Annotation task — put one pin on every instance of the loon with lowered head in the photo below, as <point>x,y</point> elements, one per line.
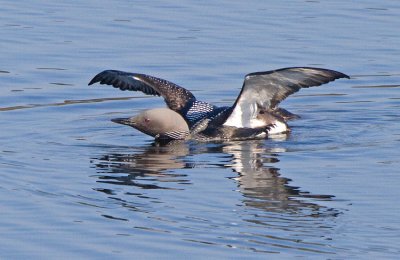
<point>160,123</point>
<point>254,114</point>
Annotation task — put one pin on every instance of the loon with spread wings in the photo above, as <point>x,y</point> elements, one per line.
<point>254,114</point>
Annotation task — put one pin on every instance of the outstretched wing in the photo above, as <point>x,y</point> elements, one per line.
<point>265,90</point>
<point>175,96</point>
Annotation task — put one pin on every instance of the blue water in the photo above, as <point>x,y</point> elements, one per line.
<point>74,184</point>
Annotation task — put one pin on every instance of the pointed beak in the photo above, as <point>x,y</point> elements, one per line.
<point>123,121</point>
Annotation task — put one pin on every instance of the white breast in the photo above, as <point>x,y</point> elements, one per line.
<point>244,116</point>
<point>278,127</point>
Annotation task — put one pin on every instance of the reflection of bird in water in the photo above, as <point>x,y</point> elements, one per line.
<point>255,113</point>
<point>258,180</point>
<point>152,163</point>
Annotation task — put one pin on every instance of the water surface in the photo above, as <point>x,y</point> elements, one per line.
<point>73,184</point>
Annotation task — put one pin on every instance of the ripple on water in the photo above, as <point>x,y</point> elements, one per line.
<point>75,185</point>
<point>268,204</point>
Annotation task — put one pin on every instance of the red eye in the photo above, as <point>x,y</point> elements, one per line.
<point>146,120</point>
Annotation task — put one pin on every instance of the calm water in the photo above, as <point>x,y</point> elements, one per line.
<point>73,184</point>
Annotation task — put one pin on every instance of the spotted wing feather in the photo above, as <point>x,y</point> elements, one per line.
<point>175,97</point>
<point>173,135</point>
